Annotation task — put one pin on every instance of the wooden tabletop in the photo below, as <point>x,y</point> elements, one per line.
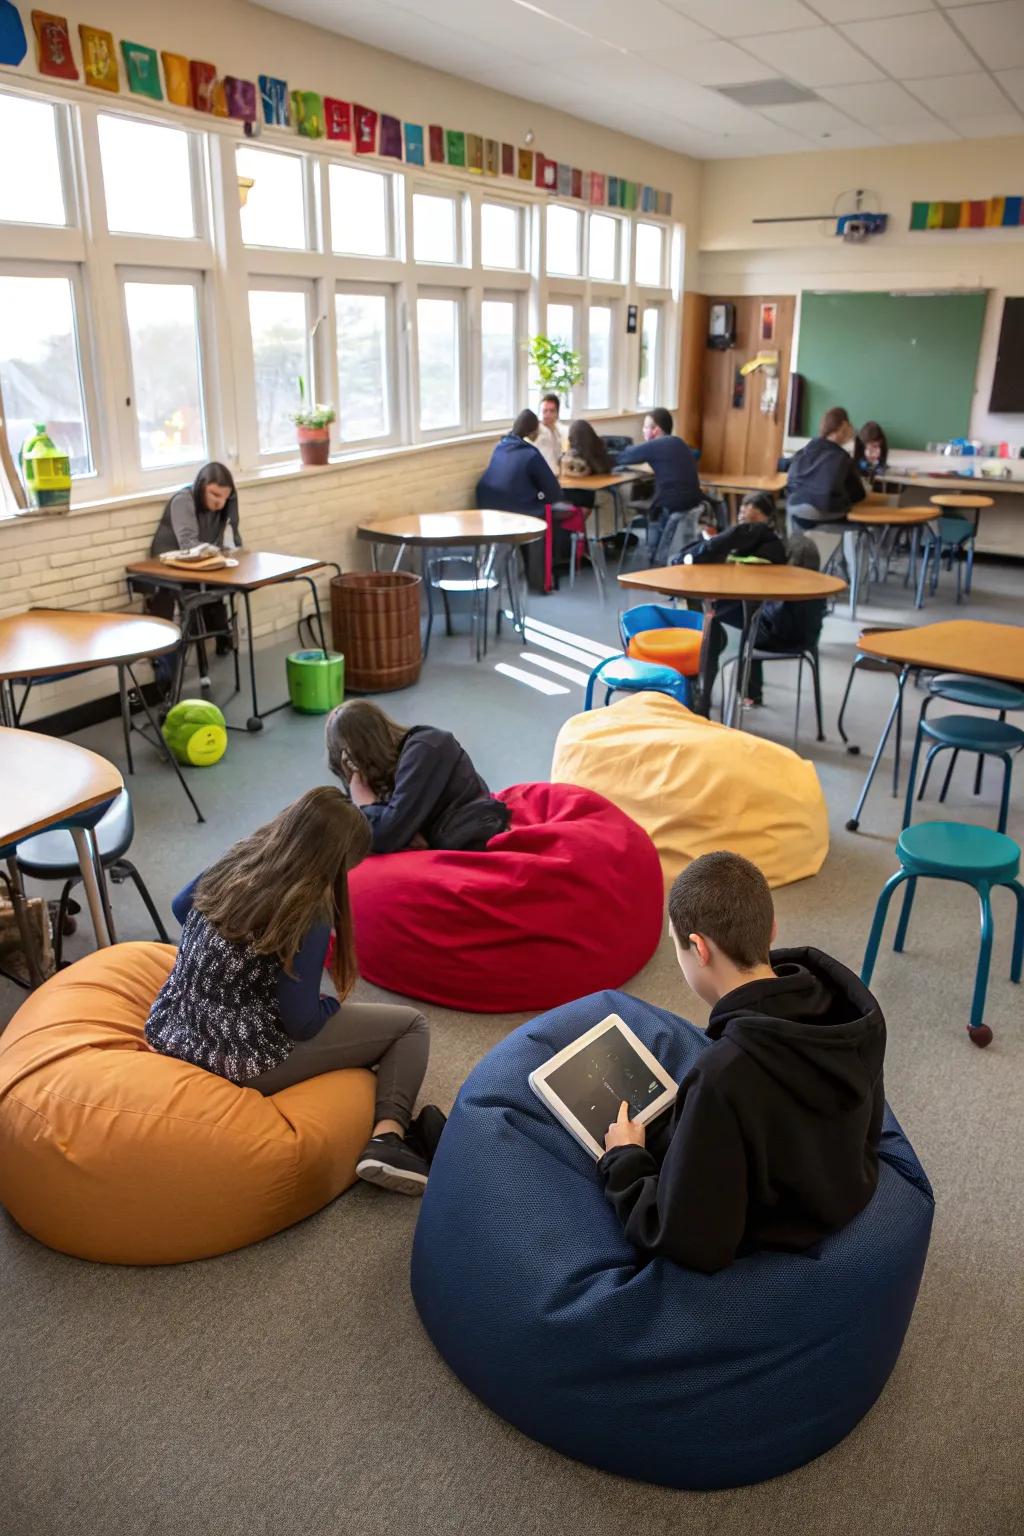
<point>773,484</point>
<point>254,569</point>
<point>754,583</point>
<point>47,640</point>
<point>969,500</point>
<point>599,482</point>
<point>471,527</point>
<point>956,645</point>
<point>950,481</point>
<point>43,779</point>
<point>891,517</point>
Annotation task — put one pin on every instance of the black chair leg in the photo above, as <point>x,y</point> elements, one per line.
<point>949,774</point>
<point>842,708</point>
<point>812,657</point>
<point>126,868</point>
<point>62,916</point>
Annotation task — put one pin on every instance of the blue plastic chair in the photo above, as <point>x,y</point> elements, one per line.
<point>950,538</point>
<point>621,674</point>
<point>976,856</point>
<point>633,621</point>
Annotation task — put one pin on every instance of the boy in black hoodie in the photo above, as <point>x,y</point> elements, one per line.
<point>773,1139</point>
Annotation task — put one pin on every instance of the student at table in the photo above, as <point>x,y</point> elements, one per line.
<point>587,455</point>
<point>871,450</point>
<point>416,785</point>
<point>205,512</point>
<point>549,438</point>
<point>824,482</point>
<point>519,479</point>
<point>676,482</point>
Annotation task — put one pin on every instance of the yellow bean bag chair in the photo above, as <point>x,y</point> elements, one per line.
<point>695,786</point>
<point>114,1152</point>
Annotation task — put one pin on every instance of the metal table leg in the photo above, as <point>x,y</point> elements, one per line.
<point>156,739</point>
<point>85,847</point>
<point>894,712</point>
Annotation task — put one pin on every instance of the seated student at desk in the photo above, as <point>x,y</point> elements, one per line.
<point>676,481</point>
<point>824,483</point>
<point>587,455</point>
<point>871,450</point>
<point>519,479</point>
<point>205,512</point>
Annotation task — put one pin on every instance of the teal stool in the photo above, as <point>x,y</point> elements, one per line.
<point>981,693</point>
<point>963,733</point>
<point>949,850</point>
<point>621,674</point>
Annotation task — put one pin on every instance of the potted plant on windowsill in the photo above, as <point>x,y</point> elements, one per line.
<point>313,429</point>
<point>558,367</point>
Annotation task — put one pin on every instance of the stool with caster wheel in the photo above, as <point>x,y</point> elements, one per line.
<point>950,850</point>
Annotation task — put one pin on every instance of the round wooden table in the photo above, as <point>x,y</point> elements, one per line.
<point>612,483</point>
<point>751,585</point>
<point>482,530</point>
<point>866,517</point>
<point>48,642</point>
<point>43,782</point>
<point>964,501</point>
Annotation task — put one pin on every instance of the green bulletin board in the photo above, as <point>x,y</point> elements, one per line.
<point>905,360</point>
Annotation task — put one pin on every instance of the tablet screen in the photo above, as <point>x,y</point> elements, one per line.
<point>596,1080</point>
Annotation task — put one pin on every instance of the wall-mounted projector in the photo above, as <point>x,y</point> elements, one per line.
<point>860,226</point>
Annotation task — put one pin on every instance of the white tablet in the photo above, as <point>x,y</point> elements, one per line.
<point>584,1085</point>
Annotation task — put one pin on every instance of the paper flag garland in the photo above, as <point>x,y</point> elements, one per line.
<point>508,160</point>
<point>492,156</point>
<point>414,144</point>
<point>99,59</point>
<point>525,165</point>
<point>547,173</point>
<point>177,79</point>
<point>219,99</point>
<point>143,72</point>
<point>475,153</point>
<point>53,46</point>
<point>435,136</point>
<point>563,180</point>
<point>241,97</point>
<point>390,136</point>
<point>597,189</point>
<point>13,44</point>
<point>203,78</point>
<point>274,96</point>
<point>577,183</point>
<point>308,114</point>
<point>978,213</point>
<point>365,121</point>
<point>455,146</point>
<point>337,118</point>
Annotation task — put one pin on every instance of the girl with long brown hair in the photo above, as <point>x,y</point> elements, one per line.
<point>243,999</point>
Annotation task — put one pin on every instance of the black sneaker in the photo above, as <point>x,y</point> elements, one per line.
<point>387,1161</point>
<point>425,1131</point>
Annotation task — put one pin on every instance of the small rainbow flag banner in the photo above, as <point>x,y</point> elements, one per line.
<point>979,213</point>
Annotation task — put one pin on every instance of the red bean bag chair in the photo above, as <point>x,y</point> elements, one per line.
<point>569,900</point>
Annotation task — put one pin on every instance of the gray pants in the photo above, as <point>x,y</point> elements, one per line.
<point>810,520</point>
<point>393,1040</point>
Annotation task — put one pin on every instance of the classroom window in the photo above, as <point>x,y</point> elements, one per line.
<point>562,324</point>
<point>649,359</point>
<point>274,213</point>
<point>437,322</point>
<point>147,178</point>
<point>500,236</point>
<point>279,321</point>
<point>361,220</point>
<point>364,369</point>
<point>650,255</point>
<point>563,252</point>
<point>599,346</point>
<point>498,359</point>
<point>167,399</point>
<point>603,255</point>
<point>41,365</point>
<point>434,228</point>
<point>31,184</point>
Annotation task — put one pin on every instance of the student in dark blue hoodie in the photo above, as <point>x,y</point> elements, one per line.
<point>519,479</point>
<point>773,1139</point>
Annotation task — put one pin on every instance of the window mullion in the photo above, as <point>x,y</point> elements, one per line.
<point>109,342</point>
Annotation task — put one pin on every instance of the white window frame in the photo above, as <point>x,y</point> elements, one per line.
<point>396,226</point>
<point>463,234</point>
<point>309,198</point>
<point>658,370</point>
<point>389,292</point>
<point>197,177</point>
<point>197,281</point>
<point>620,246</point>
<point>665,242</point>
<point>305,286</point>
<point>600,300</point>
<point>516,299</point>
<point>581,224</point>
<point>425,290</point>
<point>520,212</point>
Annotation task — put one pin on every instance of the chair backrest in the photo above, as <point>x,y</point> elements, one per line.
<point>802,550</point>
<point>616,443</point>
<point>633,621</point>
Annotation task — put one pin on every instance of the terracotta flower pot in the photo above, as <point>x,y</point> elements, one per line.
<point>314,444</point>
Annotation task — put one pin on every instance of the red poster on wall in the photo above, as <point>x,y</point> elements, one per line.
<point>204,78</point>
<point>337,118</point>
<point>435,133</point>
<point>508,160</point>
<point>366,130</point>
<point>53,46</point>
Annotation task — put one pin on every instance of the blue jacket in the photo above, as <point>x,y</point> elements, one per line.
<point>518,479</point>
<point>676,480</point>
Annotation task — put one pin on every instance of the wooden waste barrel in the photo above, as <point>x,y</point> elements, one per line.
<point>375,618</point>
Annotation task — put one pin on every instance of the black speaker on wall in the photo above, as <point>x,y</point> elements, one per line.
<point>1008,378</point>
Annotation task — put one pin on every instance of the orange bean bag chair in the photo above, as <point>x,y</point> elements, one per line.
<point>111,1151</point>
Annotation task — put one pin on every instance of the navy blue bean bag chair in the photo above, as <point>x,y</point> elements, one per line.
<point>529,1289</point>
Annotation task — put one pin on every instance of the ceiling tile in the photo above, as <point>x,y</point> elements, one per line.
<point>866,10</point>
<point>714,63</point>
<point>917,133</point>
<point>736,18</point>
<point>810,118</point>
<point>995,32</point>
<point>997,125</point>
<point>1012,82</point>
<point>642,21</point>
<point>953,96</point>
<point>814,56</point>
<point>913,47</point>
<point>856,136</point>
<point>880,101</point>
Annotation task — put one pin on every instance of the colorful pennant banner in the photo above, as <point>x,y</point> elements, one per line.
<point>979,213</point>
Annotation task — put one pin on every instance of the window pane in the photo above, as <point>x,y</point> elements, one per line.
<point>649,264</point>
<point>280,354</point>
<point>498,360</point>
<point>648,359</point>
<point>433,228</point>
<point>275,205</point>
<point>364,392</point>
<point>599,367</point>
<point>40,368</point>
<point>499,236</point>
<point>603,253</point>
<point>563,240</point>
<point>30,181</point>
<point>147,178</point>
<point>359,212</point>
<point>163,333</point>
<point>438,324</point>
<point>560,323</point>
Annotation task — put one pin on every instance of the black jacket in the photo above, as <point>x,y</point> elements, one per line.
<point>773,1139</point>
<point>823,476</point>
<point>518,479</point>
<point>743,539</point>
<point>438,795</point>
<point>676,480</point>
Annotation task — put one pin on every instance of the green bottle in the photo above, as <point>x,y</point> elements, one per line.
<point>47,471</point>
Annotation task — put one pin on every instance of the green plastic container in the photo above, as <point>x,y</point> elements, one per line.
<point>316,681</point>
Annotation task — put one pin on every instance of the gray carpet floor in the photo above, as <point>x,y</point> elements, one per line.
<point>290,1388</point>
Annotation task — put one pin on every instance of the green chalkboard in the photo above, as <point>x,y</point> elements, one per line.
<point>905,360</point>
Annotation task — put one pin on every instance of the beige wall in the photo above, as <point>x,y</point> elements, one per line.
<point>738,256</point>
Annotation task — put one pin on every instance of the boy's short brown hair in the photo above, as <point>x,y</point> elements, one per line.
<point>726,899</point>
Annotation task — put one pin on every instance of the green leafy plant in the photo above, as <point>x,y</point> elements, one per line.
<point>558,367</point>
<point>313,417</point>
